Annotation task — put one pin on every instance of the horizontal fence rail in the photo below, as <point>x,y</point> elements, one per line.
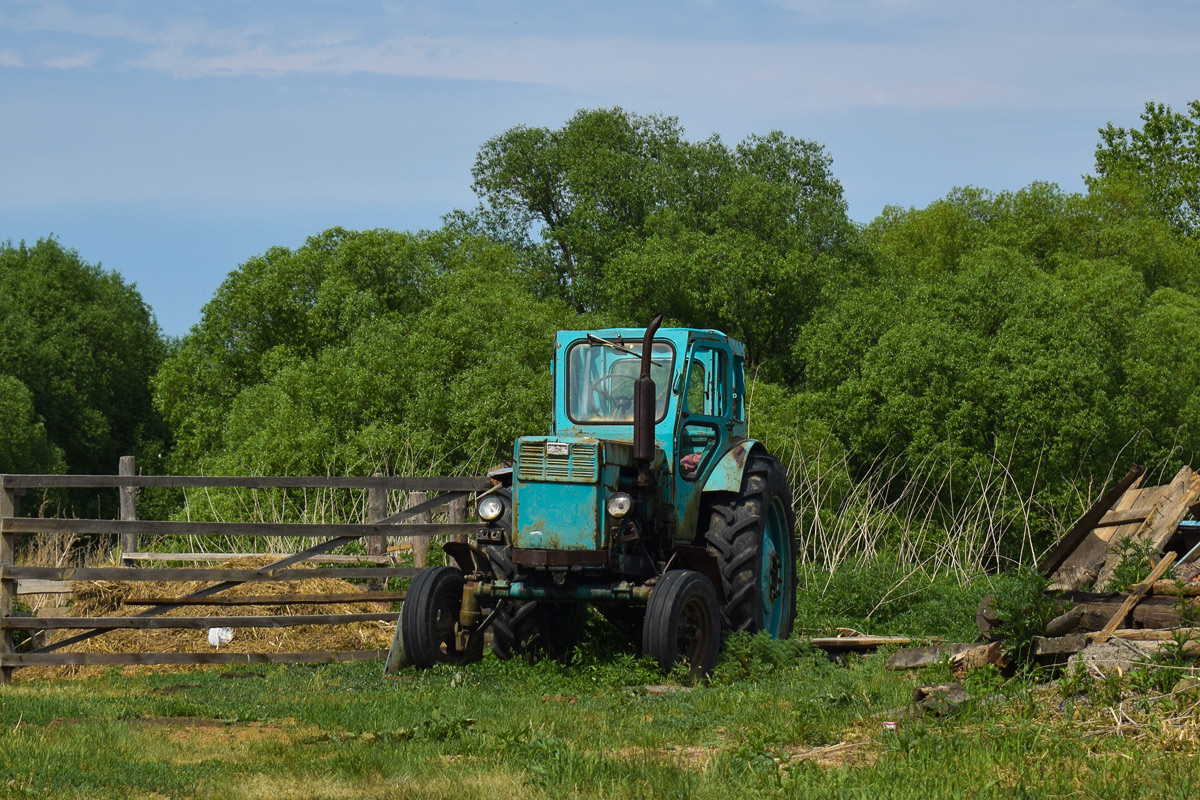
<point>411,525</point>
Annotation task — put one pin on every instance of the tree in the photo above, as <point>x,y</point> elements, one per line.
<point>364,351</point>
<point>598,191</point>
<point>83,344</point>
<point>1162,157</point>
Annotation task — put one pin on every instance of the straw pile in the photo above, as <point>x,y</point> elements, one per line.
<point>107,598</point>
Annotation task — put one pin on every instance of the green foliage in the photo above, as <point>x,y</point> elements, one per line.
<point>80,347</point>
<point>1023,608</point>
<point>1134,564</point>
<point>1162,158</point>
<point>380,350</point>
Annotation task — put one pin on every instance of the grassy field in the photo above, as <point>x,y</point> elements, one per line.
<point>777,720</point>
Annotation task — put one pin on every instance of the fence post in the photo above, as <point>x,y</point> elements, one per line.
<point>458,514</point>
<point>376,510</point>
<point>420,544</point>
<point>128,508</point>
<point>8,586</point>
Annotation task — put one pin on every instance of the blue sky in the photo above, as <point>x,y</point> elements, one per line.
<point>172,141</point>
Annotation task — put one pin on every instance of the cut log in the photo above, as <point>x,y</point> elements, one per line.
<point>916,657</point>
<point>978,656</point>
<point>1092,612</point>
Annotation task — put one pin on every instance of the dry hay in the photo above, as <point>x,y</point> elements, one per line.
<point>107,598</point>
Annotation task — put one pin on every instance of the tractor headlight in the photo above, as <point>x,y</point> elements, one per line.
<point>490,508</point>
<point>619,504</point>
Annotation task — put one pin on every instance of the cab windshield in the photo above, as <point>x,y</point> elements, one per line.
<point>600,380</point>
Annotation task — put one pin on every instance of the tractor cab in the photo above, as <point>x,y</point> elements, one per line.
<point>570,489</point>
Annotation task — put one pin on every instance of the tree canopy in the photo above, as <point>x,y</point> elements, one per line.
<point>79,348</point>
<point>1047,332</point>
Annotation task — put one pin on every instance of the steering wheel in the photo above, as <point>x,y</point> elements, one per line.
<point>619,406</point>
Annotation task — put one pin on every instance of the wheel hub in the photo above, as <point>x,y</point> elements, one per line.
<point>774,577</point>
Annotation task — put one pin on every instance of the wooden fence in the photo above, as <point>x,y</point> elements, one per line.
<point>129,530</point>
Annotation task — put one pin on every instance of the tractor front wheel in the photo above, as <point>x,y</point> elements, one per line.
<point>429,623</point>
<point>683,623</point>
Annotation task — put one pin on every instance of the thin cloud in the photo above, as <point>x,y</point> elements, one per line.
<point>72,61</point>
<point>905,54</point>
<point>10,58</point>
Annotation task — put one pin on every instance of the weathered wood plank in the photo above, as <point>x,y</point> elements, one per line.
<point>1162,523</point>
<point>128,507</point>
<point>318,559</point>
<point>189,623</point>
<point>29,525</point>
<point>1121,518</point>
<point>270,599</point>
<point>1086,560</point>
<point>1084,525</point>
<point>138,659</point>
<point>1135,596</point>
<point>189,574</point>
<point>857,642</point>
<point>29,586</point>
<point>402,484</point>
<point>916,657</point>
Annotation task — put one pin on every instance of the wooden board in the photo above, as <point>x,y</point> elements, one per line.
<point>1084,525</point>
<point>857,642</point>
<point>270,599</point>
<point>139,527</point>
<point>1083,563</point>
<point>1160,525</point>
<point>403,484</point>
<point>915,657</point>
<point>189,574</point>
<point>1136,595</point>
<point>321,559</point>
<point>189,623</point>
<point>216,657</point>
<point>28,586</point>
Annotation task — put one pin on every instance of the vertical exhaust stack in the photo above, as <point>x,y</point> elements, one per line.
<point>643,410</point>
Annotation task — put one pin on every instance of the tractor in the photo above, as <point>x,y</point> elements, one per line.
<point>646,501</point>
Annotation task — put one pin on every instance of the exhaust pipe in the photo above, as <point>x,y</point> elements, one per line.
<point>644,410</point>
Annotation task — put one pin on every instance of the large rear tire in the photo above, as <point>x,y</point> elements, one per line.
<point>429,621</point>
<point>683,623</point>
<point>752,535</point>
<point>529,627</point>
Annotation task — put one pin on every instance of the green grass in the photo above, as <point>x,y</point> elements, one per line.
<point>777,721</point>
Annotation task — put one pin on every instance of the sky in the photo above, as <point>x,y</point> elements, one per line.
<point>171,142</point>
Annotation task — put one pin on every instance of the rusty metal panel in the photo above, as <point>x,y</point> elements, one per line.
<point>727,474</point>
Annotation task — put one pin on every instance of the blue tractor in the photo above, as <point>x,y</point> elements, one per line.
<point>646,501</point>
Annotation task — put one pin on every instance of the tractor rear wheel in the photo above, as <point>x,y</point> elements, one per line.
<point>752,535</point>
<point>529,627</point>
<point>683,623</point>
<point>525,627</point>
<point>429,624</point>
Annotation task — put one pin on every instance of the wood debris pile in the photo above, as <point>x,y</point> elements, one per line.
<point>1084,570</point>
<point>1085,574</point>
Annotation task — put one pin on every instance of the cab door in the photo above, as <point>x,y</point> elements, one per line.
<point>702,434</point>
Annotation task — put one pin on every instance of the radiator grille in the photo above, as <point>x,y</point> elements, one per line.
<point>580,466</point>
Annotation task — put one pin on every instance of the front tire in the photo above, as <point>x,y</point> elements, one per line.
<point>429,623</point>
<point>752,535</point>
<point>683,623</point>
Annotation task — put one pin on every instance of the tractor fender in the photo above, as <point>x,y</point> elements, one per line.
<point>467,556</point>
<point>726,476</point>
